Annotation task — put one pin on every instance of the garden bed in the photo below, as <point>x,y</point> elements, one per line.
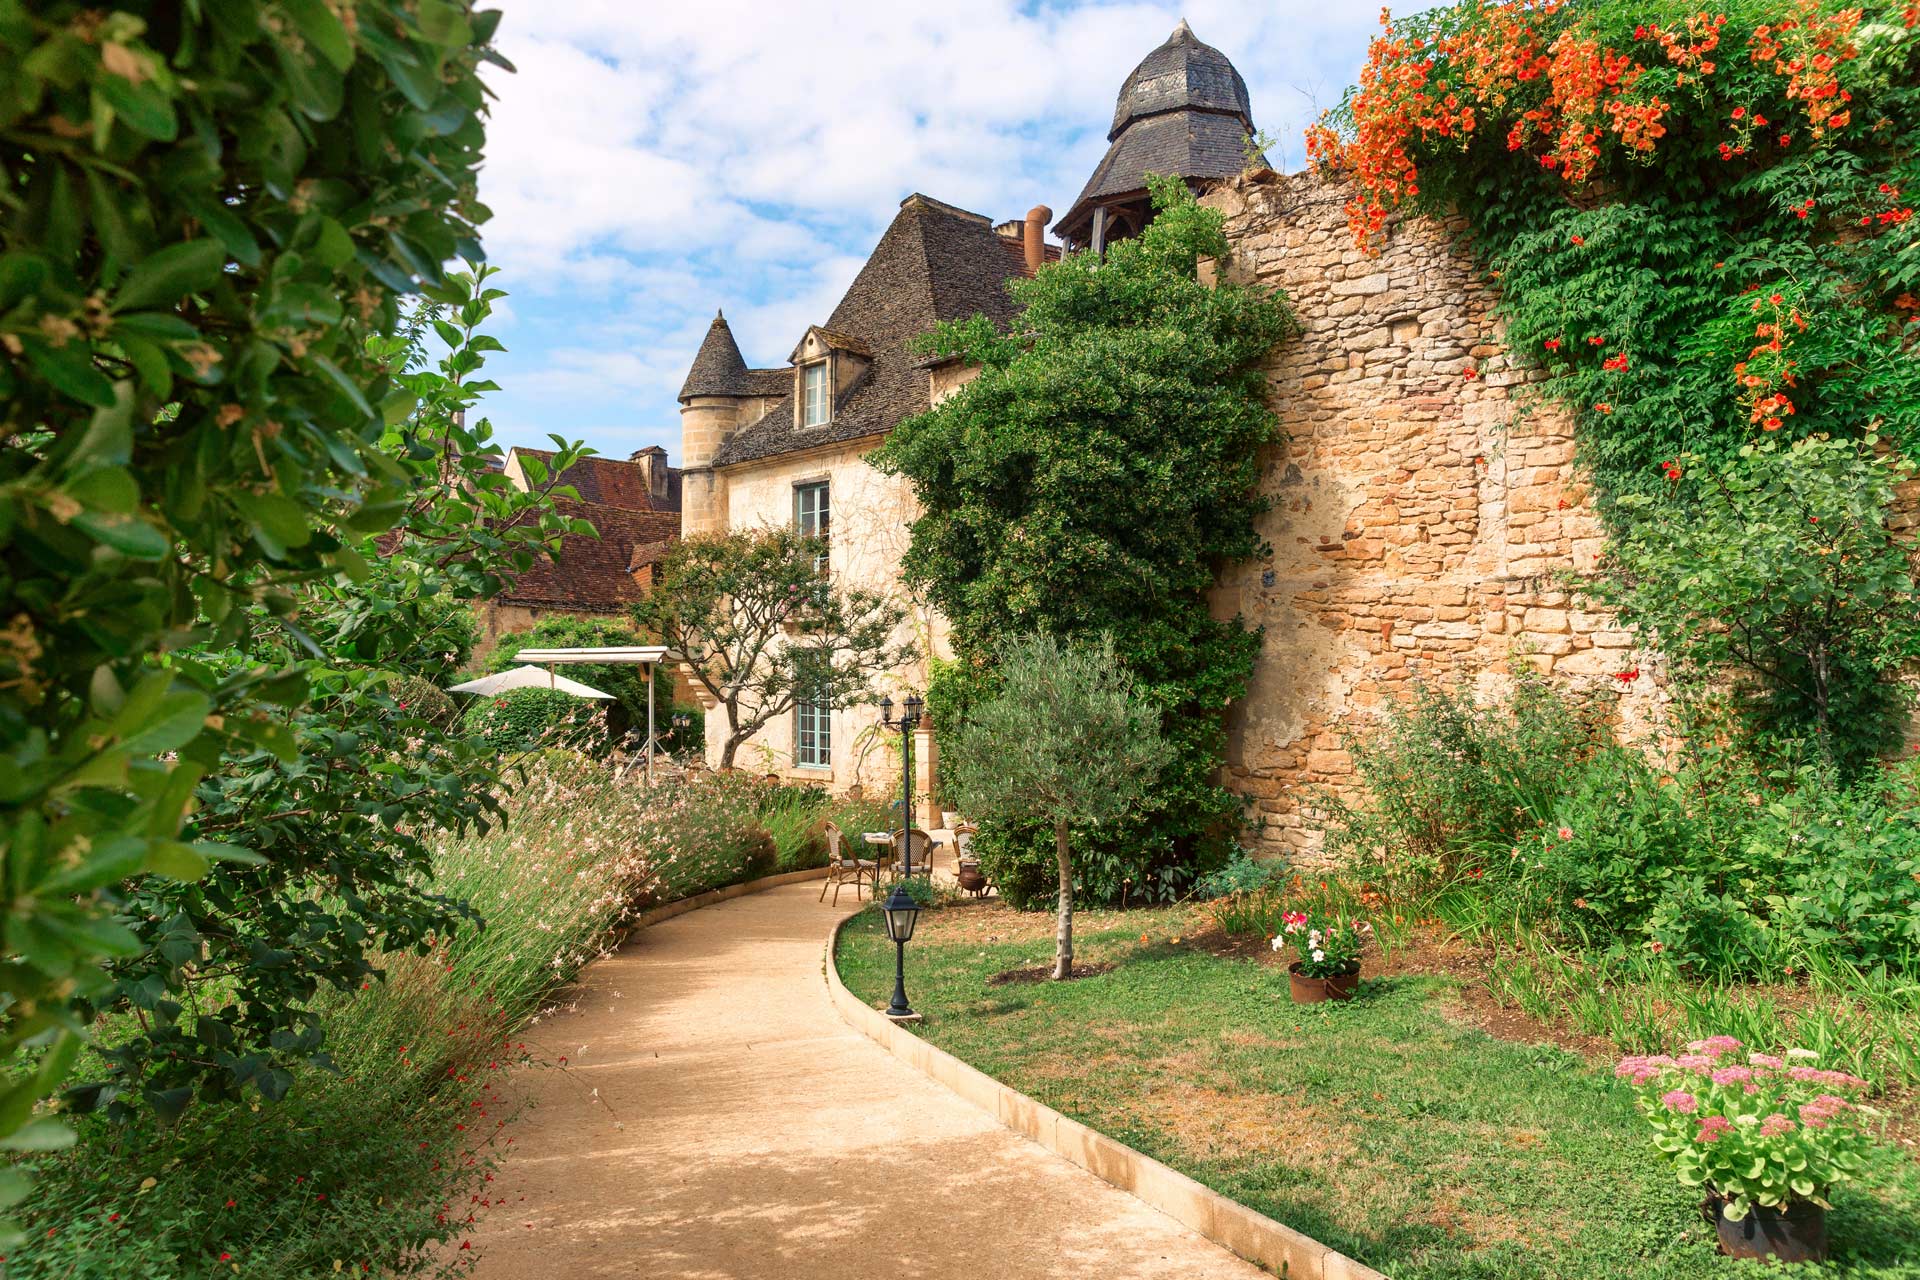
<point>1427,1129</point>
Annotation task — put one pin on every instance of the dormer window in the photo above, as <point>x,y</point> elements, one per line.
<point>817,406</point>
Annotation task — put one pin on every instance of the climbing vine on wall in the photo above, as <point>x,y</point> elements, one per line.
<point>1087,483</point>
<point>1701,220</point>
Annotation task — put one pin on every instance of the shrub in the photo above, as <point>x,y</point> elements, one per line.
<point>425,699</point>
<point>1777,571</point>
<point>522,719</point>
<point>1448,780</point>
<point>1242,874</point>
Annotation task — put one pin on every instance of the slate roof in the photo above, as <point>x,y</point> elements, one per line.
<point>934,263</point>
<point>595,575</point>
<point>718,369</point>
<point>613,481</point>
<point>1183,112</point>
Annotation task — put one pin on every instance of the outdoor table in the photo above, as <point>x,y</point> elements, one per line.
<point>882,840</point>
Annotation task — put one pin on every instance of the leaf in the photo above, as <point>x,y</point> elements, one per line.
<point>177,861</point>
<point>39,1135</point>
<point>144,108</point>
<point>170,724</point>
<point>162,279</point>
<point>70,369</point>
<point>319,26</point>
<point>129,535</point>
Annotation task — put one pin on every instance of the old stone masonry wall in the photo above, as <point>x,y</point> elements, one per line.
<point>1423,518</point>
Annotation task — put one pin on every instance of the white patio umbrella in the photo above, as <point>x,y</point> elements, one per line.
<point>527,678</point>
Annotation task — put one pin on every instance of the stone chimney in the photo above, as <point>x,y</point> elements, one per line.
<point>652,461</point>
<point>1036,237</point>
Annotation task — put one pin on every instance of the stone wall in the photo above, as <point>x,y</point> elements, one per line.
<point>1423,518</point>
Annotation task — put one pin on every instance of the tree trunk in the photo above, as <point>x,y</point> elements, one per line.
<point>1063,926</point>
<point>726,753</point>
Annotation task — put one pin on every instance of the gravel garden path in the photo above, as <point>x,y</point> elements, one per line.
<point>717,1118</point>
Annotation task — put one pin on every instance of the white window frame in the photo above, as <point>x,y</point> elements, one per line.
<point>816,408</point>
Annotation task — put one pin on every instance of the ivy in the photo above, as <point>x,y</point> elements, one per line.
<point>1701,223</point>
<point>1086,483</point>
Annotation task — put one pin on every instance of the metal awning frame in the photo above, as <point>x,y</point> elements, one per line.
<point>648,656</point>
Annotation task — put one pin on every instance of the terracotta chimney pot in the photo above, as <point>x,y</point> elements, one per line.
<point>1036,237</point>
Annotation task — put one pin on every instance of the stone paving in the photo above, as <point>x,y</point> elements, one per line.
<point>717,1118</point>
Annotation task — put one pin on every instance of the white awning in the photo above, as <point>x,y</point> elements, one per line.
<point>642,655</point>
<point>528,678</point>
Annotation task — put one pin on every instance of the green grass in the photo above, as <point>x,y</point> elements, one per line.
<point>1412,1142</point>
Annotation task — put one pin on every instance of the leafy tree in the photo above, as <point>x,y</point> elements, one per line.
<point>1067,741</point>
<point>1089,481</point>
<point>337,827</point>
<point>760,627</point>
<point>1778,569</point>
<point>204,215</point>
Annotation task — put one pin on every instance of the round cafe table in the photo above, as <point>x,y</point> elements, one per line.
<point>883,851</point>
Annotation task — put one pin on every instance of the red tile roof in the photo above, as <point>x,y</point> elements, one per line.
<point>613,482</point>
<point>595,575</point>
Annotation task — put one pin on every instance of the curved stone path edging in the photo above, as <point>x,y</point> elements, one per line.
<point>717,1119</point>
<point>1254,1236</point>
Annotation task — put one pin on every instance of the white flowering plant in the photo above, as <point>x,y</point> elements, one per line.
<point>1751,1127</point>
<point>1328,943</point>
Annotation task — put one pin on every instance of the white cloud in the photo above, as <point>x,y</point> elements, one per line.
<point>649,162</point>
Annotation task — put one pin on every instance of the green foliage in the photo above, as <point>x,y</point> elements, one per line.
<point>1728,281</point>
<point>762,627</point>
<point>522,719</point>
<point>422,698</point>
<point>625,681</point>
<point>335,824</point>
<point>1709,864</point>
<point>1087,482</point>
<point>1779,571</point>
<point>203,219</point>
<point>1067,742</point>
<point>1448,778</point>
<point>1243,873</point>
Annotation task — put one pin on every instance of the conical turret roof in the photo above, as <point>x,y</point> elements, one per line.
<point>1182,74</point>
<point>1183,112</point>
<point>718,369</point>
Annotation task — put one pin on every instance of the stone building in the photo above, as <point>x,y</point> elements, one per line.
<point>788,445</point>
<point>1426,511</point>
<point>633,504</point>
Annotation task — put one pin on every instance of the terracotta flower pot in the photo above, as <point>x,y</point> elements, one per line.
<point>1340,986</point>
<point>1797,1233</point>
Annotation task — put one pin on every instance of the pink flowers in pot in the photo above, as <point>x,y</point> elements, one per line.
<point>1328,944</point>
<point>1754,1128</point>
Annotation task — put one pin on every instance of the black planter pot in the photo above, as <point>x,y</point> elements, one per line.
<point>1797,1233</point>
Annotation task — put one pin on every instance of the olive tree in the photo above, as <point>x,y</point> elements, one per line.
<point>1065,740</point>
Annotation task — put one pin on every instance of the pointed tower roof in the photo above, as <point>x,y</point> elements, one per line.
<point>1181,75</point>
<point>1183,112</point>
<point>718,369</point>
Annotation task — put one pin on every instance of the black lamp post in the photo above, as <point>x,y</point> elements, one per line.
<point>901,913</point>
<point>909,720</point>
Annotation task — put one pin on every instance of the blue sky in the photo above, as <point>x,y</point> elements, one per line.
<point>652,161</point>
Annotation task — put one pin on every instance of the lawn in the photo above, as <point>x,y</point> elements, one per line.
<point>1394,1129</point>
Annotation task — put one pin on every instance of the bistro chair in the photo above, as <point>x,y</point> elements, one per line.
<point>922,845</point>
<point>845,868</point>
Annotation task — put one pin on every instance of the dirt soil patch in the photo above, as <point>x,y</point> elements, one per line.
<point>1044,973</point>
